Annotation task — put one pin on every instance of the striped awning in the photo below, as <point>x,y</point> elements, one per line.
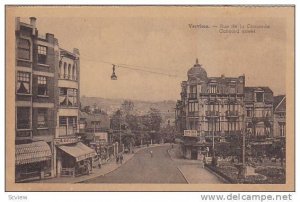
<point>32,152</point>
<point>79,151</point>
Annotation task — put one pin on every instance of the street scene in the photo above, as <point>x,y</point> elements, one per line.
<point>144,102</point>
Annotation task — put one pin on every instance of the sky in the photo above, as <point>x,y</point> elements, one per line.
<point>162,41</point>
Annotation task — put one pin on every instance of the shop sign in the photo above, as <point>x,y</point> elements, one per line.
<point>65,140</point>
<point>101,137</point>
<point>190,133</point>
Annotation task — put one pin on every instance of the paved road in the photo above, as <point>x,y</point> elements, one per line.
<point>144,169</point>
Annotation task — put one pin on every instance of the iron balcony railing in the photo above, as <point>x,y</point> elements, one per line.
<point>212,113</point>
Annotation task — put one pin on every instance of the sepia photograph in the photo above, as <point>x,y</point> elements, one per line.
<point>150,98</point>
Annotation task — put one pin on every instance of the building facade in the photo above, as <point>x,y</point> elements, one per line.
<point>279,116</point>
<point>35,101</point>
<point>220,109</point>
<point>259,112</point>
<point>210,109</point>
<point>47,106</point>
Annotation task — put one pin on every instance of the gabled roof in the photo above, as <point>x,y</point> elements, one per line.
<point>280,103</point>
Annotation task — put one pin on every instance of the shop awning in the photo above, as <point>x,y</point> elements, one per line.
<point>33,152</point>
<point>79,151</point>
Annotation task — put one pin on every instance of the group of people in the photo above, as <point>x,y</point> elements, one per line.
<point>119,158</point>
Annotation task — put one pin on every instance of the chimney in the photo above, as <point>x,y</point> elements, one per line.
<point>17,23</point>
<point>33,24</point>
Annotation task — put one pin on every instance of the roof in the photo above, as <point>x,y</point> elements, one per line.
<point>258,88</point>
<point>32,152</point>
<point>280,103</point>
<point>197,71</point>
<point>79,151</point>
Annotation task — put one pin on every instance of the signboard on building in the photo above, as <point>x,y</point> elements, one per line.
<point>190,133</point>
<point>65,140</point>
<point>101,137</point>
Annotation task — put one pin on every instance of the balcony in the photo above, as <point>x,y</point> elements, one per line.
<point>232,114</point>
<point>193,114</point>
<point>212,114</point>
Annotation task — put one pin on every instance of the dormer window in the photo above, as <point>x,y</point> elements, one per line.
<point>259,96</point>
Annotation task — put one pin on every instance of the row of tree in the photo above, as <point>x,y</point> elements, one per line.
<point>136,129</point>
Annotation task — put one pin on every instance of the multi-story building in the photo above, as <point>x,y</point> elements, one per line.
<point>210,109</point>
<point>35,98</point>
<point>259,112</point>
<point>47,100</point>
<point>279,130</point>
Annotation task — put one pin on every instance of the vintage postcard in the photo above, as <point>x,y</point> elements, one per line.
<point>150,98</point>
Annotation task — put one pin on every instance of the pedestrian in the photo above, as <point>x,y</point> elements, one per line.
<point>99,163</point>
<point>151,154</point>
<point>121,159</point>
<point>117,159</point>
<point>204,161</point>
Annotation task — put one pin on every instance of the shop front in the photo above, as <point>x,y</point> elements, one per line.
<point>74,159</point>
<point>33,161</point>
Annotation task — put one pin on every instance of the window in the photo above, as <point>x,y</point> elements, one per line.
<point>60,73</point>
<point>282,130</point>
<point>23,85</point>
<point>249,113</point>
<point>42,54</point>
<point>69,71</point>
<point>260,97</point>
<point>65,71</point>
<point>213,89</point>
<point>74,72</point>
<point>42,85</point>
<point>23,118</point>
<point>67,125</point>
<point>232,90</point>
<point>68,97</point>
<point>42,118</point>
<point>23,49</point>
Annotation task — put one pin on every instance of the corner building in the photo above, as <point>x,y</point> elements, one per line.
<point>210,109</point>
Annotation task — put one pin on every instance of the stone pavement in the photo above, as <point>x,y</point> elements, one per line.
<point>193,170</point>
<point>96,172</point>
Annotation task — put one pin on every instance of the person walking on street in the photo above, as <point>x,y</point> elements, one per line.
<point>117,159</point>
<point>121,158</point>
<point>151,153</point>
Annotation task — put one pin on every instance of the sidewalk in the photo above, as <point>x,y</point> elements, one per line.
<point>193,170</point>
<point>96,172</point>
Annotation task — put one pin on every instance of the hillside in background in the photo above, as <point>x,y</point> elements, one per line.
<point>140,107</point>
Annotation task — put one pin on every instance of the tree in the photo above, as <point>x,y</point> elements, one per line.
<point>153,120</point>
<point>127,107</point>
